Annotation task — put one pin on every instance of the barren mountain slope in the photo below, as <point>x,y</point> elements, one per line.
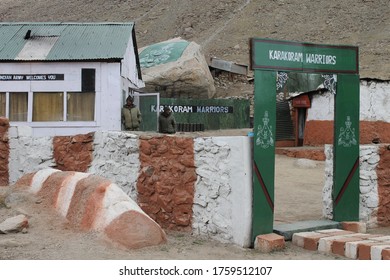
<point>224,27</point>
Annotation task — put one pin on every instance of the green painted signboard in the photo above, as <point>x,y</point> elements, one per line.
<point>214,114</point>
<point>305,57</point>
<point>162,53</point>
<point>339,68</point>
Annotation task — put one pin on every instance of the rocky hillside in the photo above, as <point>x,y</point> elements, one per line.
<point>224,27</point>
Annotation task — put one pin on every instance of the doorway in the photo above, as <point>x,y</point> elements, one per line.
<point>268,57</point>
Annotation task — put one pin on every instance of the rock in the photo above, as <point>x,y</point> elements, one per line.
<point>14,224</point>
<point>176,68</point>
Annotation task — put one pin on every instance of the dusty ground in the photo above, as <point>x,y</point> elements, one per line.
<point>49,236</point>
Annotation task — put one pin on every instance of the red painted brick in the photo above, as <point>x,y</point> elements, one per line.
<point>354,226</point>
<point>269,242</point>
<point>386,254</point>
<point>338,246</point>
<point>311,242</point>
<point>364,250</point>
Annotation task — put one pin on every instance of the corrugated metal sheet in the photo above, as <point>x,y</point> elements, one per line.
<point>68,41</point>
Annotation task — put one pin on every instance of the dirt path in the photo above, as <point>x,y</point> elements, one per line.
<point>298,189</point>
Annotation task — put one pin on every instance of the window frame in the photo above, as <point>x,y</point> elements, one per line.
<point>64,123</point>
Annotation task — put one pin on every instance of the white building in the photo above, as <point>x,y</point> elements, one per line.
<point>67,78</point>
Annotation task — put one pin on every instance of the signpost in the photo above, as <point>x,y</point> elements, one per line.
<point>269,56</point>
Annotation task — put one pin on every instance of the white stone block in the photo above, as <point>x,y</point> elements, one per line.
<point>351,248</point>
<point>376,251</point>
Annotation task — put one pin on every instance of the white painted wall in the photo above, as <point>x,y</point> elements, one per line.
<point>374,103</point>
<point>116,156</point>
<point>129,69</point>
<point>223,191</point>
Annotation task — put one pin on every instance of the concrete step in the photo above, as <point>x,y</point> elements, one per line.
<point>287,230</point>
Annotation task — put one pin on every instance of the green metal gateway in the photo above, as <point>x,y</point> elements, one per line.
<point>340,63</point>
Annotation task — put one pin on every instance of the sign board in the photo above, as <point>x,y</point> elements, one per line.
<point>267,54</point>
<point>31,77</point>
<point>301,101</point>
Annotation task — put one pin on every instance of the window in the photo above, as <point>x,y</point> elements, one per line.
<point>2,104</point>
<point>53,106</point>
<point>80,106</point>
<point>87,80</point>
<point>18,106</point>
<point>48,106</point>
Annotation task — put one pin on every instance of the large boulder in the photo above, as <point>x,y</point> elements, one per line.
<point>176,68</point>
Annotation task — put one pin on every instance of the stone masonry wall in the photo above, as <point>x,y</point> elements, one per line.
<point>116,156</point>
<point>166,180</point>
<point>28,154</point>
<point>73,153</point>
<point>4,152</point>
<point>204,187</point>
<point>212,206</point>
<point>369,197</point>
<point>383,172</point>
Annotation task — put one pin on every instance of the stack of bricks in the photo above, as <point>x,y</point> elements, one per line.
<point>346,243</point>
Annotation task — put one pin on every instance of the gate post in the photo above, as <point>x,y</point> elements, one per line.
<point>345,194</point>
<point>264,152</point>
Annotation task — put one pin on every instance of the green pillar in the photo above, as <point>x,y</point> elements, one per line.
<point>264,142</point>
<point>346,149</point>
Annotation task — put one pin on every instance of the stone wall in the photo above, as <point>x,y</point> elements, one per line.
<point>28,154</point>
<point>116,156</point>
<point>374,187</point>
<point>223,191</point>
<point>4,152</point>
<point>73,153</point>
<point>383,173</point>
<point>166,180</point>
<point>201,185</point>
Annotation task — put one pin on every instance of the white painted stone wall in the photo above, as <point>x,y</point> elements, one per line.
<point>116,157</point>
<point>28,154</point>
<point>374,103</point>
<point>369,159</point>
<point>223,191</point>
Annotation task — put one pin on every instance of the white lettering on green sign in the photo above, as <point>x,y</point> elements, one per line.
<point>310,58</point>
<point>286,56</point>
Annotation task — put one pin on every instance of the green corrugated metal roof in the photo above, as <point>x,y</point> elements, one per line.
<point>64,41</point>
